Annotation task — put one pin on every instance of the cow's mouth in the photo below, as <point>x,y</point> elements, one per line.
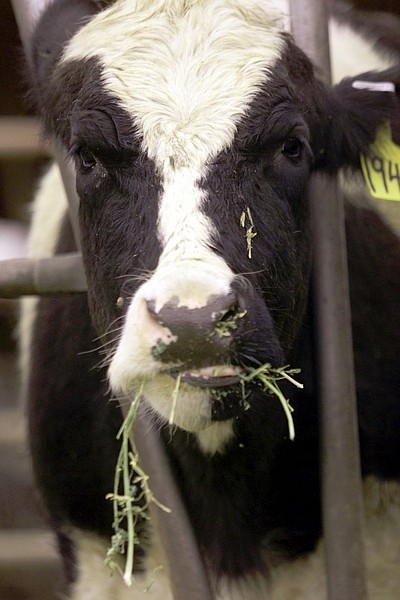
<point>210,377</point>
<point>227,397</point>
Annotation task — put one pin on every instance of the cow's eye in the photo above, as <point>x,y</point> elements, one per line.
<point>292,148</point>
<point>86,158</point>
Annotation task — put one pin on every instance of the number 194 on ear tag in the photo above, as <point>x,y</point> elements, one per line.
<point>381,168</point>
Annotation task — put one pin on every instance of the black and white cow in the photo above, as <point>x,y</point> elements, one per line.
<point>180,117</point>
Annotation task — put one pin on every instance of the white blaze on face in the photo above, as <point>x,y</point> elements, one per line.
<point>186,71</point>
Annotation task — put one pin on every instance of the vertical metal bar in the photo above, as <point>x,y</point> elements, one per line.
<point>309,26</point>
<point>341,476</point>
<point>341,473</point>
<point>27,14</point>
<point>186,569</point>
<point>189,580</point>
<point>68,177</point>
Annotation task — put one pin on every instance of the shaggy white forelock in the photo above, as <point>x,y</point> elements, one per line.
<point>186,70</point>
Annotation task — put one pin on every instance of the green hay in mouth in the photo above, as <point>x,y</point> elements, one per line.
<point>268,377</point>
<point>226,326</point>
<point>174,399</point>
<point>133,503</point>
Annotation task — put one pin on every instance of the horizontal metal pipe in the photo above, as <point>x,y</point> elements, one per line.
<point>59,274</point>
<point>20,138</point>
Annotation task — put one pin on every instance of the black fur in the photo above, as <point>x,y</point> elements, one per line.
<point>56,26</point>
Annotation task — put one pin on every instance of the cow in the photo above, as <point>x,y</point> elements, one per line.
<point>195,127</point>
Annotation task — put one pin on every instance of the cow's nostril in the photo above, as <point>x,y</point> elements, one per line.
<point>229,320</point>
<point>201,335</point>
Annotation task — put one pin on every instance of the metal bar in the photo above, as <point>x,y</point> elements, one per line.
<point>309,27</point>
<point>341,470</point>
<point>188,580</point>
<point>59,274</point>
<point>20,137</point>
<point>68,178</point>
<point>341,474</point>
<point>186,569</point>
<point>27,14</point>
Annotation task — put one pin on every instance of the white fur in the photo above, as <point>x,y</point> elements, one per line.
<point>214,438</point>
<point>352,54</point>
<point>48,212</point>
<point>188,271</point>
<point>185,237</point>
<point>185,70</point>
<point>193,282</point>
<point>305,579</point>
<point>98,582</point>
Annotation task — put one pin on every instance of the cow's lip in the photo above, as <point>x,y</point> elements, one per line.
<point>210,377</point>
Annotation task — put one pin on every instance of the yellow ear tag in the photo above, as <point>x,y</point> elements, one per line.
<point>381,168</point>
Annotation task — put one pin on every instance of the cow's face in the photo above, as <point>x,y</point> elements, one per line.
<point>194,126</point>
<point>192,149</point>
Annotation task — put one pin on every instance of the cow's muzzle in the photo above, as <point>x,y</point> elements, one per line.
<point>198,338</point>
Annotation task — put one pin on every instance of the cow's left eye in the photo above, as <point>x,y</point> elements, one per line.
<point>292,148</point>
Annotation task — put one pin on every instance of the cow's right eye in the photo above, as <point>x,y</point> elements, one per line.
<point>86,159</point>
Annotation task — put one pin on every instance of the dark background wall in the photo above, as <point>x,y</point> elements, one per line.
<point>387,5</point>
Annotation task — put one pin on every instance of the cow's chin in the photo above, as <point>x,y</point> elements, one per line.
<point>178,404</point>
<point>188,400</point>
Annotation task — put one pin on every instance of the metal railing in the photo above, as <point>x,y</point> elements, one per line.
<point>342,498</point>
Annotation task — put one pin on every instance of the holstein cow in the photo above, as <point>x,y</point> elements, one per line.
<point>187,119</point>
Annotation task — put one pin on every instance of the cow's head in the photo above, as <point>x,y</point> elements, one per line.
<point>194,126</point>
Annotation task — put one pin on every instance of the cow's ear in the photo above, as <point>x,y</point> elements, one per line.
<point>58,23</point>
<point>359,107</point>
